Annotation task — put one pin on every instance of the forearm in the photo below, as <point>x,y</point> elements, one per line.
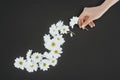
<point>108,3</point>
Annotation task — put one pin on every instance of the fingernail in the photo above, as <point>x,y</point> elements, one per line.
<point>83,28</point>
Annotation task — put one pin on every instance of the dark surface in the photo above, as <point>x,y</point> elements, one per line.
<point>90,55</point>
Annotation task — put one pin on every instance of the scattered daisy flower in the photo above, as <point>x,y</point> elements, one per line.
<point>47,55</point>
<point>46,37</point>
<point>55,55</point>
<point>64,29</point>
<point>31,66</point>
<point>51,44</point>
<point>28,55</point>
<point>36,57</point>
<point>56,52</point>
<point>59,24</point>
<point>71,24</point>
<point>60,39</point>
<point>73,21</point>
<point>53,30</point>
<point>44,64</point>
<point>20,63</point>
<point>53,61</point>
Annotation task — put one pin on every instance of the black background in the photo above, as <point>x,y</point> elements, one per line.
<point>90,55</point>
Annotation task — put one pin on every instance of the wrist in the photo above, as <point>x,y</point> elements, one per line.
<point>107,4</point>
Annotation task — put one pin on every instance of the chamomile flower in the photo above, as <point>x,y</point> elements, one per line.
<point>60,39</point>
<point>53,61</point>
<point>53,30</point>
<point>59,24</point>
<point>73,21</point>
<point>51,44</point>
<point>56,52</point>
<point>36,57</point>
<point>28,55</point>
<point>47,55</point>
<point>20,63</point>
<point>46,37</point>
<point>44,64</point>
<point>31,66</point>
<point>64,29</point>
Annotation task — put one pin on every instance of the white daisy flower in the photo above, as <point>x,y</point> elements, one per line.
<point>73,21</point>
<point>60,39</point>
<point>56,52</point>
<point>51,44</point>
<point>53,61</point>
<point>46,37</point>
<point>59,24</point>
<point>47,55</point>
<point>31,66</point>
<point>64,29</point>
<point>36,57</point>
<point>53,30</point>
<point>55,55</point>
<point>28,55</point>
<point>44,64</point>
<point>20,63</point>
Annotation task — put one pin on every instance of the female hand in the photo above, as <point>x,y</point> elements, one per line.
<point>90,14</point>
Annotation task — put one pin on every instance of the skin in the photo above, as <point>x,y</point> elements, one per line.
<point>90,14</point>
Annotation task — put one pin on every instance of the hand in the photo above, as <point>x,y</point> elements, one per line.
<point>88,15</point>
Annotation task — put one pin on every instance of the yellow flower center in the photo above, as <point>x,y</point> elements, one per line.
<point>21,63</point>
<point>32,65</point>
<point>53,44</point>
<point>53,61</point>
<point>58,38</point>
<point>56,51</point>
<point>64,29</point>
<point>44,64</point>
<point>37,57</point>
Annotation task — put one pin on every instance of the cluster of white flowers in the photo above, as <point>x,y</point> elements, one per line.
<point>52,42</point>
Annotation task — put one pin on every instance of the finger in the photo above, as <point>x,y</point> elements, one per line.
<point>83,20</point>
<point>86,23</point>
<point>80,20</point>
<point>91,24</point>
<point>80,23</point>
